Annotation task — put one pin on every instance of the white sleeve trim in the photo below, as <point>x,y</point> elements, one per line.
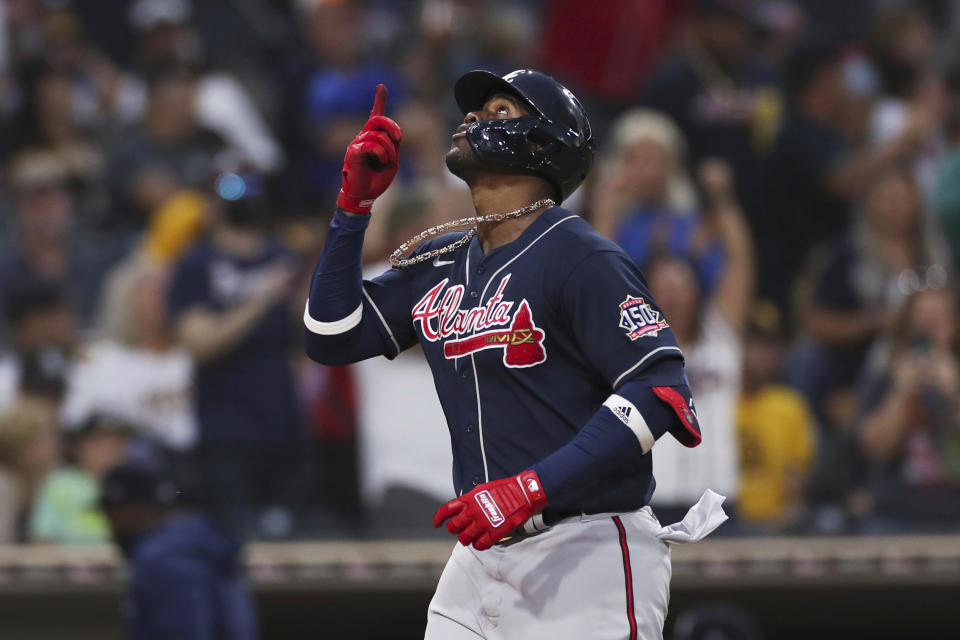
<point>332,328</point>
<point>629,415</point>
<point>616,382</point>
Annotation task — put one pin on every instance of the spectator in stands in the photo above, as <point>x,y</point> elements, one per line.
<point>859,282</point>
<point>228,304</point>
<point>722,93</point>
<point>812,176</point>
<point>775,430</point>
<point>48,121</point>
<point>65,510</point>
<point>902,46</point>
<point>909,429</point>
<point>137,371</point>
<point>645,200</point>
<point>167,151</point>
<point>42,329</point>
<point>708,329</point>
<point>945,197</point>
<point>186,578</point>
<point>46,243</point>
<point>166,35</point>
<point>29,450</point>
<point>779,23</point>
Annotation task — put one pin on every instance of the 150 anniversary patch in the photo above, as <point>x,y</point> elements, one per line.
<point>640,319</point>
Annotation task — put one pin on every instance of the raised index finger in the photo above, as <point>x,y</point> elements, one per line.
<point>380,101</point>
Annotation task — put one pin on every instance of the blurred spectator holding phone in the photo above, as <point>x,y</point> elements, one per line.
<point>813,174</point>
<point>722,92</point>
<point>645,200</point>
<point>775,430</point>
<point>847,301</point>
<point>709,329</point>
<point>909,427</point>
<point>858,283</point>
<point>228,303</point>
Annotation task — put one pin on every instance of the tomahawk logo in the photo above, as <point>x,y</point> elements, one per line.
<point>439,317</point>
<point>522,343</point>
<point>490,508</point>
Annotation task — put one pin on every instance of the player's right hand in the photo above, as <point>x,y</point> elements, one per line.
<point>493,509</point>
<point>371,160</point>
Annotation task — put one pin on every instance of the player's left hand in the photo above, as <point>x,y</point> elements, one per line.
<point>371,160</point>
<point>493,509</point>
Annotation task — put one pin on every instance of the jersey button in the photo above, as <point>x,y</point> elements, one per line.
<point>469,427</point>
<point>473,294</point>
<point>479,269</point>
<point>464,374</point>
<point>476,480</point>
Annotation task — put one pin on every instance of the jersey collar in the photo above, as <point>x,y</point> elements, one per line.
<point>507,251</point>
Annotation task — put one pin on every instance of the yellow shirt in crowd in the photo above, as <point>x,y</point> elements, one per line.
<point>775,432</point>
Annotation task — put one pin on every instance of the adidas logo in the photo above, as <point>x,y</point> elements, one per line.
<point>623,413</point>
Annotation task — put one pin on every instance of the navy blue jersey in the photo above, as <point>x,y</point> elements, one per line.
<point>245,396</point>
<point>525,344</point>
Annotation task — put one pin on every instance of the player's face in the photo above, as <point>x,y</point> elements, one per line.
<point>460,158</point>
<point>499,106</point>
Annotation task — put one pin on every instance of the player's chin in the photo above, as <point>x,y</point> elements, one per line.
<point>461,159</point>
<point>459,141</point>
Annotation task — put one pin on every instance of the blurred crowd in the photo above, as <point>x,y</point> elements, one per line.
<point>786,173</point>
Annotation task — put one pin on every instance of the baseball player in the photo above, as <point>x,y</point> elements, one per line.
<point>555,369</point>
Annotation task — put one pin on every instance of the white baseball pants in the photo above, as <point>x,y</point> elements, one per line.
<point>601,576</point>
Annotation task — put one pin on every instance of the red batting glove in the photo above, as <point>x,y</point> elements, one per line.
<point>371,160</point>
<point>492,510</point>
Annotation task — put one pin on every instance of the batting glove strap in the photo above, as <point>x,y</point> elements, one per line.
<point>492,510</point>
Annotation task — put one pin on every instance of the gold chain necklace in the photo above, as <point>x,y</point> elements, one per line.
<point>398,261</point>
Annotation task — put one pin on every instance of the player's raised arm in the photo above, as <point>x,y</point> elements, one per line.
<point>342,322</point>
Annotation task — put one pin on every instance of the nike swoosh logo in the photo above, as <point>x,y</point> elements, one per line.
<point>437,262</point>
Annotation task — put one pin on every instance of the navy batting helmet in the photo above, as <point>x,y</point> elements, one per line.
<point>555,142</point>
